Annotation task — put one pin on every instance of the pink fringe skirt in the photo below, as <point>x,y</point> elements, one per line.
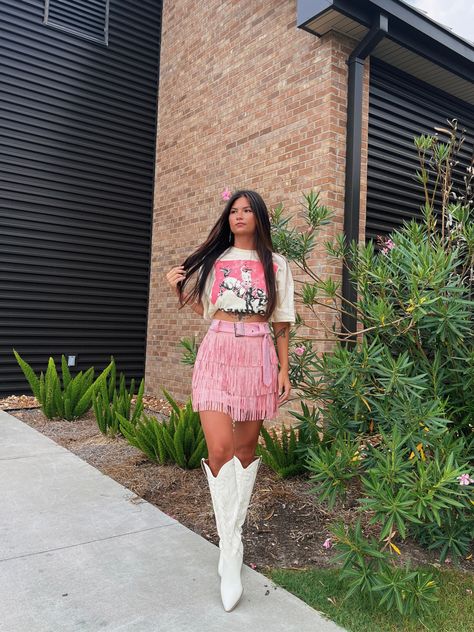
<point>236,371</point>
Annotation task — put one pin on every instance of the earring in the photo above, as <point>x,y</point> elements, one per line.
<point>230,236</point>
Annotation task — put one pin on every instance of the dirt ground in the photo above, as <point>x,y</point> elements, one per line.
<point>285,527</point>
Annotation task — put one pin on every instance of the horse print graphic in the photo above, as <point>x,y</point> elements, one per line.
<point>240,285</point>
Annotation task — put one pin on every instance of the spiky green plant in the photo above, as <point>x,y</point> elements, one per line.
<point>190,347</point>
<point>178,440</point>
<point>286,456</point>
<point>68,401</point>
<point>108,403</point>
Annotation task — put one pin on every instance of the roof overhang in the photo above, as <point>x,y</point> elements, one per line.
<point>414,43</point>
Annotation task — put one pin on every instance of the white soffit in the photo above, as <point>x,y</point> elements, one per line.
<point>396,55</point>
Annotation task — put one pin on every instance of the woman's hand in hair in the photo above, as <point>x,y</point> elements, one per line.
<point>174,276</point>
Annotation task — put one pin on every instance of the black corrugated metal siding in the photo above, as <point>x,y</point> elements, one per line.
<point>76,170</point>
<point>401,107</point>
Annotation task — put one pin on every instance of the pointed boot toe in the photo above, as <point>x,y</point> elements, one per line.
<point>231,583</point>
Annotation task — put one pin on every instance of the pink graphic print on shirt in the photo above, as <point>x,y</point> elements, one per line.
<point>245,279</point>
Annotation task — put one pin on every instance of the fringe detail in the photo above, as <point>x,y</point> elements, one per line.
<point>239,408</point>
<point>228,377</point>
<point>231,380</point>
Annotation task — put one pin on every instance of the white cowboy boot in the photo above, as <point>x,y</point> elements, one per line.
<point>245,483</point>
<point>224,495</point>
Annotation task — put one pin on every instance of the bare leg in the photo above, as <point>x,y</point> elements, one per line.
<point>217,429</point>
<point>245,440</point>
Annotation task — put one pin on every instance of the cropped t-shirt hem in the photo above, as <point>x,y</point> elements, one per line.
<point>236,282</point>
<point>283,318</point>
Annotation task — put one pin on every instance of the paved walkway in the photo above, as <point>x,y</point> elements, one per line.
<point>78,554</point>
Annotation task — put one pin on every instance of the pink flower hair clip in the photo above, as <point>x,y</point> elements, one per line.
<point>226,194</point>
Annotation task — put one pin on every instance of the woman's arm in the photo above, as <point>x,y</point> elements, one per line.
<point>198,308</point>
<point>282,336</point>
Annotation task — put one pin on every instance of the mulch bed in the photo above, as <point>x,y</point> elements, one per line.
<point>285,527</point>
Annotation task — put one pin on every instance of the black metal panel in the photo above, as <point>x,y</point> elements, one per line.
<point>401,107</point>
<point>76,171</point>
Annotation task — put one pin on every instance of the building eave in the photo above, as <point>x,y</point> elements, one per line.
<point>414,42</point>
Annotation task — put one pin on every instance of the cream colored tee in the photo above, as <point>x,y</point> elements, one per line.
<point>236,283</point>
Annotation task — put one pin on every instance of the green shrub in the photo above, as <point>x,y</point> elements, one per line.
<point>285,456</point>
<point>146,436</point>
<point>399,393</point>
<point>309,426</point>
<point>370,574</point>
<point>332,465</point>
<point>70,400</point>
<point>179,440</point>
<point>108,403</point>
<point>453,537</point>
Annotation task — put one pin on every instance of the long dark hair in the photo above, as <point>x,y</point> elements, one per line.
<point>220,238</point>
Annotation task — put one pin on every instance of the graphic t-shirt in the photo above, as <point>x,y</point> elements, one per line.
<point>236,283</point>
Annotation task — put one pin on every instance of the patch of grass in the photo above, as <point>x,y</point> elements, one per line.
<point>321,589</point>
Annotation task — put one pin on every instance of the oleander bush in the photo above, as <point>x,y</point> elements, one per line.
<point>67,400</point>
<point>109,402</point>
<point>367,573</point>
<point>396,400</point>
<point>180,439</point>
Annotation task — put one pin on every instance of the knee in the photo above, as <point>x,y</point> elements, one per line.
<point>220,455</point>
<point>245,454</point>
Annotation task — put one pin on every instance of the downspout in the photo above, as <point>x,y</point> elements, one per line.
<point>355,62</point>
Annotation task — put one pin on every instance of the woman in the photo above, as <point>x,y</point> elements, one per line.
<point>241,285</point>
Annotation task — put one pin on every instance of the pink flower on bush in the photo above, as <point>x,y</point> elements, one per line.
<point>388,246</point>
<point>465,479</point>
<point>327,543</point>
<point>386,243</point>
<point>299,350</point>
<point>226,194</point>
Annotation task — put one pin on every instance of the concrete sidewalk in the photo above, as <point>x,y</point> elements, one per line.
<point>78,554</point>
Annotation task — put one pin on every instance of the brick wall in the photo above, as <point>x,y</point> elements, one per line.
<point>246,100</point>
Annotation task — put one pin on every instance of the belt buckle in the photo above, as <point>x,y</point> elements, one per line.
<point>239,329</point>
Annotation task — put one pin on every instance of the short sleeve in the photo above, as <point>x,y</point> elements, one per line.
<point>284,311</point>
